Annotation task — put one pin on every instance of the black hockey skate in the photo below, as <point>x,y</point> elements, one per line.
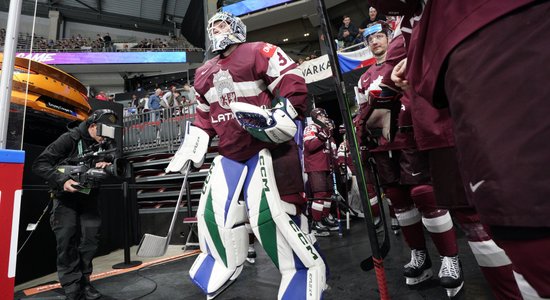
<point>450,275</point>
<point>318,229</point>
<point>419,269</point>
<point>330,222</point>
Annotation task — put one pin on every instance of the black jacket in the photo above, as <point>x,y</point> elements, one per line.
<point>63,151</point>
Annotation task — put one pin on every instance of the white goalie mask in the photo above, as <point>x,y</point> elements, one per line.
<point>225,29</point>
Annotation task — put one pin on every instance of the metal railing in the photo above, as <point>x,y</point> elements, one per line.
<point>156,129</point>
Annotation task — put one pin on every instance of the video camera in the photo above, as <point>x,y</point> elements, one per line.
<point>82,168</point>
<point>88,176</point>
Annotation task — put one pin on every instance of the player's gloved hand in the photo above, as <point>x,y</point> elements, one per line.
<point>323,134</point>
<point>384,113</point>
<point>275,125</point>
<point>193,148</point>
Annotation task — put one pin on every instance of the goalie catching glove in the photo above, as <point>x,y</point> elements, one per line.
<point>275,125</point>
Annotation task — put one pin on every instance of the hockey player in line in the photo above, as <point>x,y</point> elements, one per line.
<point>404,172</point>
<point>434,135</point>
<point>317,162</point>
<point>236,92</point>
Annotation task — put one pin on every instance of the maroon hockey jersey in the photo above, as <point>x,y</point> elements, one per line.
<point>317,154</point>
<point>370,81</point>
<point>432,127</point>
<point>442,26</point>
<point>252,73</point>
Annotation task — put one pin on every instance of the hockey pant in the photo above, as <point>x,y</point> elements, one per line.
<point>223,237</point>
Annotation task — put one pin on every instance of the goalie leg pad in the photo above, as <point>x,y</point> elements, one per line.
<point>223,236</point>
<point>289,246</point>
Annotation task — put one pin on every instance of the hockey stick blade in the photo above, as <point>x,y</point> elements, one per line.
<point>367,264</point>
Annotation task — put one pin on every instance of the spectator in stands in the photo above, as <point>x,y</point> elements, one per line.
<point>347,32</point>
<point>107,42</point>
<point>189,93</point>
<point>101,96</point>
<point>154,104</point>
<point>168,98</point>
<point>135,101</point>
<point>373,17</point>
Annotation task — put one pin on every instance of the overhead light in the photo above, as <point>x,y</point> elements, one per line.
<point>306,34</point>
<point>285,40</point>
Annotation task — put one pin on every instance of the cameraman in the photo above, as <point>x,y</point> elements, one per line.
<point>75,217</point>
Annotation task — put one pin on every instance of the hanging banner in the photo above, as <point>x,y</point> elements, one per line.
<point>316,69</point>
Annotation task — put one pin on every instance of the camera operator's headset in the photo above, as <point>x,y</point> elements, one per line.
<point>98,114</point>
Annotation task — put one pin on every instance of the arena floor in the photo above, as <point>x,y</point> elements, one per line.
<point>167,277</point>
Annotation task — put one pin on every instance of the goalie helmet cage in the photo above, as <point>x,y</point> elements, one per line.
<point>378,252</point>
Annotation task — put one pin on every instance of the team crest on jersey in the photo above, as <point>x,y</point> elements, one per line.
<point>225,88</point>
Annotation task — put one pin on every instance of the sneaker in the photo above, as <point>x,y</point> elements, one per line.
<point>90,293</point>
<point>450,275</point>
<point>331,225</point>
<point>419,268</point>
<point>251,257</point>
<point>395,226</point>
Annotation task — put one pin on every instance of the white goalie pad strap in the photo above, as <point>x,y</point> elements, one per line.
<point>439,224</point>
<point>409,217</point>
<point>194,147</point>
<point>488,254</point>
<point>221,222</point>
<point>291,249</point>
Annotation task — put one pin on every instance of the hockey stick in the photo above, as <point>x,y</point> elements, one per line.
<point>377,253</point>
<point>335,193</point>
<point>367,264</point>
<point>153,245</point>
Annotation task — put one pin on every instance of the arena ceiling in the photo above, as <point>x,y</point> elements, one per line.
<point>289,20</point>
<point>153,16</point>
